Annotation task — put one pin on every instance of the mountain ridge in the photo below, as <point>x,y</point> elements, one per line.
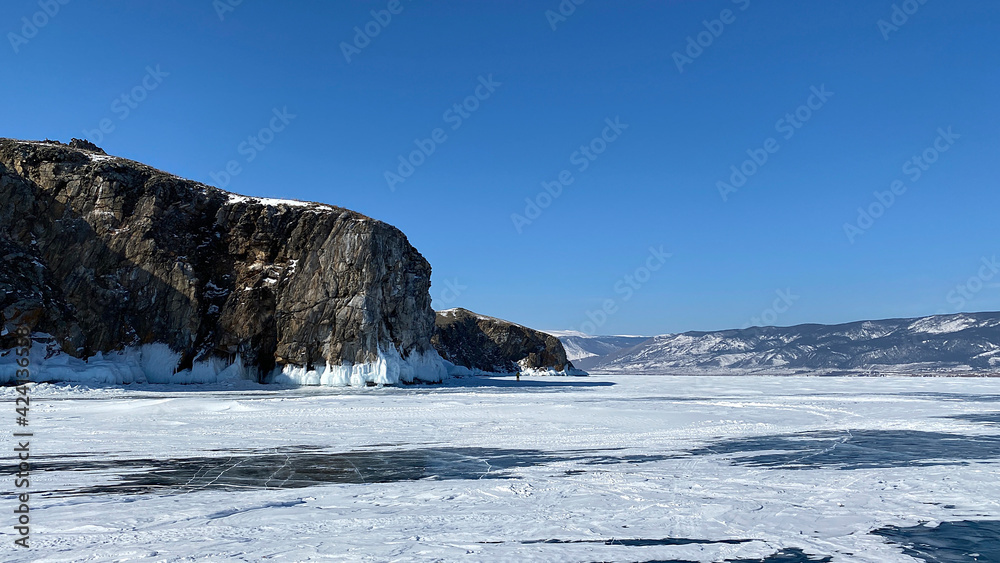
<point>937,344</point>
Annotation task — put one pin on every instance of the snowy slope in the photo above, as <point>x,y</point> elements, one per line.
<point>961,343</point>
<point>585,350</point>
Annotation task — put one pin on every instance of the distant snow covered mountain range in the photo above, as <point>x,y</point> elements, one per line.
<point>959,344</point>
<point>586,351</point>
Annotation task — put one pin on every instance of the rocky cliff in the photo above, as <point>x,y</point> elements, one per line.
<point>486,344</point>
<point>103,256</point>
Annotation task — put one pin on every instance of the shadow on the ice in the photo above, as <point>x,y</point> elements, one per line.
<point>640,542</point>
<point>966,540</point>
<point>250,390</point>
<point>660,399</point>
<point>990,419</point>
<point>303,466</point>
<point>532,382</point>
<point>855,449</point>
<point>789,555</point>
<point>953,397</point>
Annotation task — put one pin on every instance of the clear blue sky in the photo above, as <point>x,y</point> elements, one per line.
<point>655,184</point>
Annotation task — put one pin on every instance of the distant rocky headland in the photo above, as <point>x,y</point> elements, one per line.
<point>487,344</point>
<point>125,273</point>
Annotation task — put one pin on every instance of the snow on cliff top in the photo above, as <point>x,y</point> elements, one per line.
<point>233,198</point>
<point>577,333</point>
<point>236,198</point>
<point>456,310</point>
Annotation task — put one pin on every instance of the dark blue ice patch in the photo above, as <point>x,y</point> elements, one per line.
<point>855,449</point>
<point>990,419</point>
<point>950,542</point>
<point>305,466</point>
<point>789,555</point>
<point>954,397</point>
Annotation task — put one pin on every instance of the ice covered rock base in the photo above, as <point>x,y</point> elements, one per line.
<point>388,369</point>
<point>155,363</point>
<point>463,371</point>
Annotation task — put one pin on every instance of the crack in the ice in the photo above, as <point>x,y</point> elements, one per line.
<point>288,460</point>
<point>285,481</point>
<point>219,476</point>
<point>356,470</point>
<point>814,454</point>
<point>488,468</point>
<point>197,474</point>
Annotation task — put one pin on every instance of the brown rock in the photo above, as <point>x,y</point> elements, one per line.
<point>494,345</point>
<point>103,253</point>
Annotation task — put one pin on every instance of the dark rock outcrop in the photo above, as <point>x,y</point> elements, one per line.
<point>86,145</point>
<point>105,253</point>
<point>498,346</point>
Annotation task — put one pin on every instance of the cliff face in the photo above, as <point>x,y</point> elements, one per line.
<point>104,253</point>
<point>494,345</point>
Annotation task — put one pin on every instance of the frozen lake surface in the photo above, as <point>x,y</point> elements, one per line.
<point>602,468</point>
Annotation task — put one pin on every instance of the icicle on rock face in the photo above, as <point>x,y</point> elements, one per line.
<point>109,256</point>
<point>389,368</point>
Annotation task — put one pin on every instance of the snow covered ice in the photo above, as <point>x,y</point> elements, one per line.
<point>604,468</point>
